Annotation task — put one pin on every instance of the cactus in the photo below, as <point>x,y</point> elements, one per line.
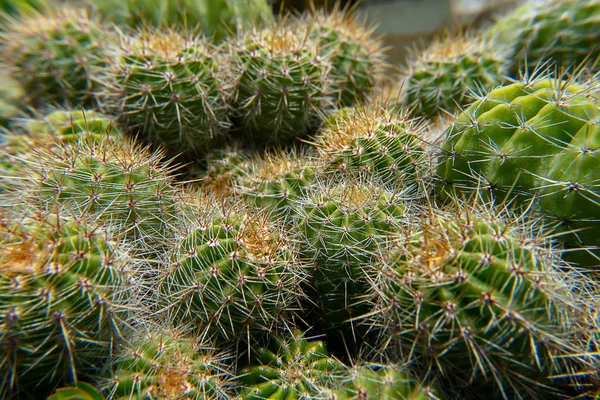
<point>385,382</point>
<point>564,32</point>
<point>533,138</point>
<point>170,87</point>
<point>234,273</point>
<point>162,363</point>
<point>371,140</point>
<point>290,367</point>
<point>81,391</point>
<point>63,299</point>
<point>281,85</point>
<point>356,56</point>
<point>473,297</point>
<point>450,71</point>
<point>56,56</point>
<point>11,97</point>
<point>223,166</point>
<point>123,183</point>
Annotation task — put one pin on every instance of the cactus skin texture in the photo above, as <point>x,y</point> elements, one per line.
<point>473,298</point>
<point>281,83</point>
<point>124,183</point>
<point>11,97</point>
<point>356,56</point>
<point>62,301</point>
<point>81,391</point>
<point>56,56</point>
<point>339,227</point>
<point>234,273</point>
<point>385,382</point>
<point>165,364</point>
<point>533,138</point>
<point>444,76</point>
<point>565,32</point>
<point>223,166</point>
<point>169,87</point>
<point>371,140</point>
<point>290,367</point>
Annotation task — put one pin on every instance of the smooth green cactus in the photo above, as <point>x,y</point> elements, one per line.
<point>454,68</point>
<point>122,182</point>
<point>164,364</point>
<point>81,391</point>
<point>281,83</point>
<point>532,138</point>
<point>170,88</point>
<point>356,56</point>
<point>472,296</point>
<point>63,300</point>
<point>56,56</point>
<point>290,367</point>
<point>565,32</point>
<point>371,140</point>
<point>234,273</point>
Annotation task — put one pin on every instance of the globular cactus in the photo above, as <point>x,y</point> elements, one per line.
<point>276,178</point>
<point>372,140</point>
<point>169,87</point>
<point>122,182</point>
<point>445,76</point>
<point>162,363</point>
<point>532,139</point>
<point>63,299</point>
<point>223,166</point>
<point>384,382</point>
<point>281,83</point>
<point>357,57</point>
<point>562,32</point>
<point>339,227</point>
<point>234,272</point>
<point>56,55</point>
<point>472,297</point>
<point>292,366</point>
<point>80,391</point>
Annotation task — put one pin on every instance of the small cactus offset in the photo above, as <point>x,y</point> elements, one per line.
<point>234,272</point>
<point>447,75</point>
<point>170,88</point>
<point>56,56</point>
<point>223,166</point>
<point>290,367</point>
<point>281,83</point>
<point>63,296</point>
<point>356,56</point>
<point>81,391</point>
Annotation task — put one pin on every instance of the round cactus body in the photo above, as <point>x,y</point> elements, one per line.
<point>290,367</point>
<point>170,88</point>
<point>163,364</point>
<point>565,32</point>
<point>357,59</point>
<point>528,139</point>
<point>371,140</point>
<point>11,97</point>
<point>56,56</point>
<point>223,166</point>
<point>450,71</point>
<point>122,182</point>
<point>62,301</point>
<point>475,299</point>
<point>234,273</point>
<point>281,83</point>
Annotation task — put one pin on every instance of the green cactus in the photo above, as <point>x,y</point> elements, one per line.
<point>170,87</point>
<point>565,32</point>
<point>446,76</point>
<point>235,272</point>
<point>11,97</point>
<point>56,56</point>
<point>356,56</point>
<point>381,382</point>
<point>81,391</point>
<point>290,367</point>
<point>164,364</point>
<point>472,297</point>
<point>532,138</point>
<point>122,182</point>
<point>223,166</point>
<point>281,83</point>
<point>371,140</point>
<point>63,297</point>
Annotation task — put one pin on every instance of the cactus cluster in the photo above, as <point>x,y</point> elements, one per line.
<point>204,200</point>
